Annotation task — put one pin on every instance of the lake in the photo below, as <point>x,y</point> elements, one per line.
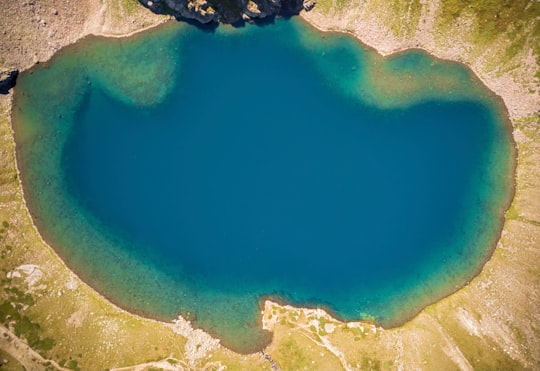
<point>197,171</point>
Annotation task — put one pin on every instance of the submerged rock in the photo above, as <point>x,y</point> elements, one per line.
<point>8,78</point>
<point>227,11</point>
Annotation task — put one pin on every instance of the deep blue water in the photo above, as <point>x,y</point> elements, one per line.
<point>206,170</point>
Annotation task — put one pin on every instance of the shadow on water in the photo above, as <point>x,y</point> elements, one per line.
<point>260,22</point>
<point>288,10</point>
<point>210,27</point>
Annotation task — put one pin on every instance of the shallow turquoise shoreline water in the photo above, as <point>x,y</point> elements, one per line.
<point>195,172</point>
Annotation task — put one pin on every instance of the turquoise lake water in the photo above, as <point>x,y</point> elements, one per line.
<point>199,172</point>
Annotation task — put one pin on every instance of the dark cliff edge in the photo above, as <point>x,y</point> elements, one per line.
<point>8,78</point>
<point>227,11</point>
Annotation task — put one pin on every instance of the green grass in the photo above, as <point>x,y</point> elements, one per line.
<point>8,363</point>
<point>409,8</point>
<point>73,365</point>
<point>369,363</point>
<point>534,119</point>
<point>12,312</point>
<point>131,5</point>
<point>124,7</point>
<point>24,327</point>
<point>291,355</point>
<point>517,19</point>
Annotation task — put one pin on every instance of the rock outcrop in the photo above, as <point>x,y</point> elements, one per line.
<point>227,11</point>
<point>8,78</point>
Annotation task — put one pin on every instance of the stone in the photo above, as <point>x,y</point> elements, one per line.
<point>309,4</point>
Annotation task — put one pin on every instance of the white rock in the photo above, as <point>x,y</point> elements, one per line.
<point>329,327</point>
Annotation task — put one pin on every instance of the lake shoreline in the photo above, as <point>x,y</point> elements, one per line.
<point>516,105</point>
<point>384,318</point>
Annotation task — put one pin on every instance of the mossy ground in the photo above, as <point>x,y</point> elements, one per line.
<point>123,16</point>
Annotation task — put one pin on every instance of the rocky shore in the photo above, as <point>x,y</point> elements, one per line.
<point>227,11</point>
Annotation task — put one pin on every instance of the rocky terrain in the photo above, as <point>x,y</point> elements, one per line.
<point>227,11</point>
